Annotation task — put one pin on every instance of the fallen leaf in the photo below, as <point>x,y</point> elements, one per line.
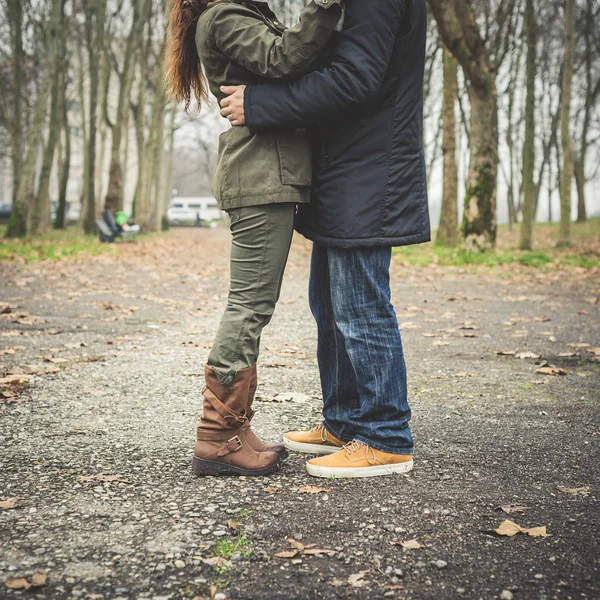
<point>506,352</point>
<point>319,551</point>
<point>311,489</point>
<point>578,491</point>
<point>232,524</point>
<point>270,490</point>
<point>411,545</point>
<point>511,508</point>
<point>286,554</point>
<point>469,335</point>
<point>523,355</point>
<point>20,583</point>
<point>39,579</point>
<point>578,345</point>
<point>542,319</point>
<point>509,529</point>
<point>551,371</point>
<point>594,351</point>
<point>8,503</point>
<point>296,544</point>
<point>464,374</point>
<point>17,583</point>
<point>356,579</point>
<point>440,343</point>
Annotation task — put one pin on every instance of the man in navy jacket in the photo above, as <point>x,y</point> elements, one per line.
<point>363,110</point>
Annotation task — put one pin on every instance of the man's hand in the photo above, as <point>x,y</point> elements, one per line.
<point>232,107</point>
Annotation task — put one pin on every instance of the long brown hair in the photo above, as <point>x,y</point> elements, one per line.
<point>183,71</point>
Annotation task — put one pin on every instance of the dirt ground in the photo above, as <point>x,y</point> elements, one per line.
<point>102,361</point>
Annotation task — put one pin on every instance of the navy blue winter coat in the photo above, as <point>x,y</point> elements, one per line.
<point>364,111</point>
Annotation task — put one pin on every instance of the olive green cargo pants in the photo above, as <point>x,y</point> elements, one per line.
<point>262,236</point>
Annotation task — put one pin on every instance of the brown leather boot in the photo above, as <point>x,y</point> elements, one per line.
<point>251,437</point>
<point>222,447</point>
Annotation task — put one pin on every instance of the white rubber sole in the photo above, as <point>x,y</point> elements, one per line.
<point>377,471</point>
<point>309,448</point>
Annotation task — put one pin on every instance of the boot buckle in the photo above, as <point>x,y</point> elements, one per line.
<point>238,441</point>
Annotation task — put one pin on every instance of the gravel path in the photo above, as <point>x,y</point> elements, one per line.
<point>104,357</point>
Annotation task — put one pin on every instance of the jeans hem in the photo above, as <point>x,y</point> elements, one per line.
<point>334,434</point>
<point>383,447</point>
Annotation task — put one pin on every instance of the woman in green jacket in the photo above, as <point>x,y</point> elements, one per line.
<point>259,181</point>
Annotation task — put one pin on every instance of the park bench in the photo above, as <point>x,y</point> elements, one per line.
<point>106,235</point>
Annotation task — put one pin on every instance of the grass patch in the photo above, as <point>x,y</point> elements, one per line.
<point>55,245</point>
<point>584,252</point>
<point>227,548</point>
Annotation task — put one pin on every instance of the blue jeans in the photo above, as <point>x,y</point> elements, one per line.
<point>363,373</point>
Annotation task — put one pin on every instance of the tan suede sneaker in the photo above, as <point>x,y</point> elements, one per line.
<point>356,459</point>
<point>316,441</point>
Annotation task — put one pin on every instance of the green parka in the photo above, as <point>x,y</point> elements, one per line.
<point>244,43</point>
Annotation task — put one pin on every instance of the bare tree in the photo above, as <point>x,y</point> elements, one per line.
<point>18,222</point>
<point>526,237</point>
<point>448,229</point>
<point>564,238</point>
<point>480,55</point>
<point>591,56</point>
<point>95,11</point>
<point>114,196</point>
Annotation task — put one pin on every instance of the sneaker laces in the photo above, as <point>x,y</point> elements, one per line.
<point>320,428</point>
<point>356,446</point>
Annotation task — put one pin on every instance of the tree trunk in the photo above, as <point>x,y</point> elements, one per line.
<point>168,180</point>
<point>41,214</point>
<point>564,236</point>
<point>60,221</point>
<point>479,219</point>
<point>591,96</point>
<point>448,230</point>
<point>17,224</point>
<point>458,28</point>
<point>526,234</point>
<point>15,126</point>
<point>139,210</point>
<point>114,194</point>
<point>96,15</point>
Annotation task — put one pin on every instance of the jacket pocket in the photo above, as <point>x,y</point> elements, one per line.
<point>295,158</point>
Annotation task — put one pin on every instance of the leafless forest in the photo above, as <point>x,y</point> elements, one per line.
<point>512,91</point>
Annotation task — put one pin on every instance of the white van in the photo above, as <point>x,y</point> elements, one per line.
<point>186,211</point>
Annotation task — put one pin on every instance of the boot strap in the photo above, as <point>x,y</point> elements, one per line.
<point>225,412</point>
<point>249,413</point>
<point>231,445</point>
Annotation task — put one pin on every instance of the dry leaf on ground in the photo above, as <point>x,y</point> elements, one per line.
<point>578,345</point>
<point>8,503</point>
<point>510,528</point>
<point>512,507</point>
<point>20,583</point>
<point>356,579</point>
<point>311,489</point>
<point>232,524</point>
<point>411,545</point>
<point>270,490</point>
<point>577,491</point>
<point>526,355</point>
<point>286,554</point>
<point>506,352</point>
<point>552,371</point>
